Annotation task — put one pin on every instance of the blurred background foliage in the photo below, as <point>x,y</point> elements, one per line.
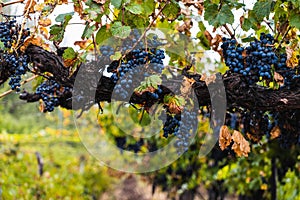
<point>70,172</point>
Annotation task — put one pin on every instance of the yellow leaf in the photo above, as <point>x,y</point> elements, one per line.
<point>292,60</point>
<point>44,31</point>
<point>224,137</point>
<point>263,186</point>
<point>45,22</point>
<point>241,146</point>
<point>39,7</point>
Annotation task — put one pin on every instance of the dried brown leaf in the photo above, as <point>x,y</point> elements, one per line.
<point>83,44</point>
<point>186,86</point>
<point>78,7</point>
<point>30,3</point>
<point>174,108</point>
<point>292,60</point>
<point>278,78</point>
<point>45,22</point>
<point>242,18</point>
<point>275,132</point>
<point>210,79</point>
<point>224,137</point>
<point>240,146</point>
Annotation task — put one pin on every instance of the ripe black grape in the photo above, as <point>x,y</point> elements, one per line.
<point>256,62</point>
<point>16,62</point>
<point>49,91</point>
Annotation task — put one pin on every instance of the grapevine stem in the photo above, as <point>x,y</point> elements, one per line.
<point>24,22</point>
<point>144,33</point>
<point>25,81</point>
<point>10,3</point>
<point>268,23</point>
<point>285,34</point>
<point>229,31</point>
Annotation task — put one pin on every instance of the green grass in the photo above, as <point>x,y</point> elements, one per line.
<point>69,171</point>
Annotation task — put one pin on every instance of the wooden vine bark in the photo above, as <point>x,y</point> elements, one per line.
<point>238,93</point>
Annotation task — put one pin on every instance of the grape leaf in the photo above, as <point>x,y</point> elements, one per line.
<point>116,3</point>
<point>120,31</point>
<point>69,53</point>
<point>262,9</point>
<point>116,56</point>
<point>57,33</point>
<point>134,9</point>
<point>88,31</point>
<point>295,19</point>
<point>218,18</point>
<point>148,7</point>
<point>171,10</point>
<point>102,35</point>
<point>64,17</point>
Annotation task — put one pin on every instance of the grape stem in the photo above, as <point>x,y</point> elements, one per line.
<point>25,81</point>
<point>144,33</point>
<point>283,37</point>
<point>11,3</point>
<point>26,13</point>
<point>229,31</point>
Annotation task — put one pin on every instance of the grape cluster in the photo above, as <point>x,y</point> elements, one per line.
<point>49,91</point>
<point>182,126</point>
<point>9,31</point>
<point>138,63</point>
<point>171,125</point>
<point>288,123</point>
<point>259,59</point>
<point>187,128</point>
<point>18,67</point>
<point>16,64</point>
<point>289,74</point>
<point>107,50</point>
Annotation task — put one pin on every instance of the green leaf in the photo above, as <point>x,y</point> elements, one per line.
<point>102,35</point>
<point>262,9</point>
<point>57,33</point>
<point>218,18</point>
<point>168,98</point>
<point>116,3</point>
<point>134,9</point>
<point>171,10</point>
<point>155,79</point>
<point>120,31</point>
<point>69,53</point>
<point>296,3</point>
<point>295,19</point>
<point>64,17</point>
<point>246,24</point>
<point>148,7</point>
<point>203,40</point>
<point>116,56</point>
<point>2,45</point>
<point>248,39</point>
<point>88,31</point>
<point>180,101</point>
